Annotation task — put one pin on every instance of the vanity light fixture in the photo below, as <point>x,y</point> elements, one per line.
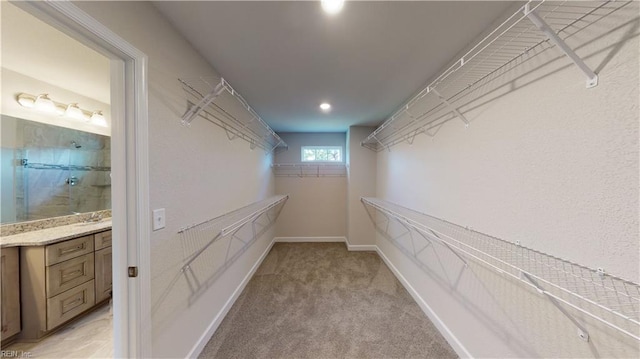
<point>72,111</point>
<point>332,7</point>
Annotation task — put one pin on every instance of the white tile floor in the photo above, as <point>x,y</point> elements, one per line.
<point>89,337</point>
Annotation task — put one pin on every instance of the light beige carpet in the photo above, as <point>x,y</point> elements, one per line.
<point>317,300</point>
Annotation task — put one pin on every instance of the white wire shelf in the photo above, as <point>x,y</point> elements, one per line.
<point>216,101</point>
<point>610,300</point>
<point>200,236</point>
<point>309,169</point>
<point>535,26</point>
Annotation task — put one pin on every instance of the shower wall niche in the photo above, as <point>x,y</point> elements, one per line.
<point>50,171</point>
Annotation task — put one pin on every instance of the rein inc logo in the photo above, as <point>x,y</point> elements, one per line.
<point>15,354</point>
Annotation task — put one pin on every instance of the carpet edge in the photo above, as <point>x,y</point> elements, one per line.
<point>217,320</point>
<point>455,343</point>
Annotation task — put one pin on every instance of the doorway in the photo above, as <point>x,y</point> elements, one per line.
<point>129,172</point>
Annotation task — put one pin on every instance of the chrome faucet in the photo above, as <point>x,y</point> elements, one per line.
<point>95,217</point>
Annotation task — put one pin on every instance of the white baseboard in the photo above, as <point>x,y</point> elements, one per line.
<point>361,247</point>
<point>442,327</point>
<point>310,239</point>
<point>211,329</point>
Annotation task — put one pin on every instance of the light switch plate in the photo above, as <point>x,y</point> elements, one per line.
<point>158,219</point>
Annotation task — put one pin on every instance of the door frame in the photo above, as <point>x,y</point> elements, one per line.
<point>129,166</point>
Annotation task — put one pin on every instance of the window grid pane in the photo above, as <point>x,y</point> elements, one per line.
<point>321,154</point>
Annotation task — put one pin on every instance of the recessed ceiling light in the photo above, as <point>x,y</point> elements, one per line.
<point>332,6</point>
<point>325,107</point>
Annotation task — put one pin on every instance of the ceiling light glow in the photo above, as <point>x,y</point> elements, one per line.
<point>332,6</point>
<point>325,107</point>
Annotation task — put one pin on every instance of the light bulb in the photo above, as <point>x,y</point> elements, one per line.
<point>74,112</point>
<point>98,119</point>
<point>332,6</point>
<point>25,100</point>
<point>45,104</point>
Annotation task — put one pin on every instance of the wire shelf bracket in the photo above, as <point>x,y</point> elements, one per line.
<point>196,109</point>
<point>610,300</point>
<point>532,28</point>
<point>592,78</point>
<point>453,110</point>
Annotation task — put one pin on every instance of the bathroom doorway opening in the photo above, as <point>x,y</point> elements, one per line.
<point>129,170</point>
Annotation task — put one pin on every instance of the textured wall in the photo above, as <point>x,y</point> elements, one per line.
<point>361,183</point>
<point>546,162</point>
<point>196,173</point>
<point>316,207</point>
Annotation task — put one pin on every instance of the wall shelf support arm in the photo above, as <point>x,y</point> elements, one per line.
<point>454,110</point>
<point>195,110</point>
<point>592,78</point>
<point>582,331</point>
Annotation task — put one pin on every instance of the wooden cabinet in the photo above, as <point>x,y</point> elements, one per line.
<point>10,292</point>
<point>62,280</point>
<point>103,266</point>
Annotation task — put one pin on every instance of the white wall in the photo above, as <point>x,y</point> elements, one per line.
<point>316,206</point>
<point>548,163</point>
<point>361,183</point>
<point>196,174</point>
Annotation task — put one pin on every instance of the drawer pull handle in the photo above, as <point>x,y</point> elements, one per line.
<point>63,251</point>
<point>74,273</point>
<point>73,304</point>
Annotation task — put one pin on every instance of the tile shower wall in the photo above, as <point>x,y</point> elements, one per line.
<point>68,184</point>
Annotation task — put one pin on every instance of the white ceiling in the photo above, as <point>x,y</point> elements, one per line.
<point>287,57</point>
<point>35,49</point>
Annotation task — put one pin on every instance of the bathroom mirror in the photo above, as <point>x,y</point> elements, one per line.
<point>50,171</point>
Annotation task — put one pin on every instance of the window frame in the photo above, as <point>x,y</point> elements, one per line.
<point>339,148</point>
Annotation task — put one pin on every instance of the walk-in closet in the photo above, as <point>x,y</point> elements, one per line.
<point>364,179</point>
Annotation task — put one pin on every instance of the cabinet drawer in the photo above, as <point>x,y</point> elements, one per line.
<point>102,239</point>
<point>67,305</point>
<point>68,274</point>
<point>62,251</point>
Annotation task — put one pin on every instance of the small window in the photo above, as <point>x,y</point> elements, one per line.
<point>321,154</point>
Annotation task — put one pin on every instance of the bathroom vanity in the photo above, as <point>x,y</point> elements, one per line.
<point>64,272</point>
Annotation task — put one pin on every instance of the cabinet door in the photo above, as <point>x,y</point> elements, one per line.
<point>10,291</point>
<point>103,274</point>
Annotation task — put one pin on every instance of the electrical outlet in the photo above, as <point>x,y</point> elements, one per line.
<point>158,219</point>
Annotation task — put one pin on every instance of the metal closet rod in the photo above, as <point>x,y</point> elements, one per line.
<point>233,221</point>
<point>506,43</point>
<point>626,308</point>
<point>48,166</point>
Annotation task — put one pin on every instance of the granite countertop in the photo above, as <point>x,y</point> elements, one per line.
<point>55,234</point>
